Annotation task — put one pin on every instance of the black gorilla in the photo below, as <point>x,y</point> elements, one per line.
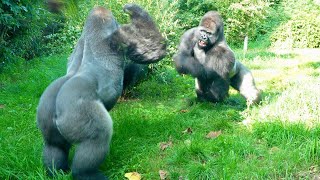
<point>74,108</point>
<point>204,53</point>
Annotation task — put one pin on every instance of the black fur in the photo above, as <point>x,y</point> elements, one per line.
<point>204,53</point>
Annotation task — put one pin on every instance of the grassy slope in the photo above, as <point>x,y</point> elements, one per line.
<point>278,139</point>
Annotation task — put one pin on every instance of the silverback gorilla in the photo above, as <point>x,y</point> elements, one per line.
<point>204,53</point>
<point>74,108</point>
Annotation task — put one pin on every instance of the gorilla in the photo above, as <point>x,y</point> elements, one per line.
<point>74,108</point>
<point>204,54</point>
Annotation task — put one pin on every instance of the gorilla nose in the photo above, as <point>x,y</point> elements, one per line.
<point>204,37</point>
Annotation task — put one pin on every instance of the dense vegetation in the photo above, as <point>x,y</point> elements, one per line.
<point>23,26</point>
<point>160,127</point>
<point>28,29</point>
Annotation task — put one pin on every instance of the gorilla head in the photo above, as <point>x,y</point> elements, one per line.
<point>210,30</point>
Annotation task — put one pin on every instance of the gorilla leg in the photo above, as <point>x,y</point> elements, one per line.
<point>218,90</point>
<point>56,156</point>
<point>243,82</point>
<point>199,91</point>
<point>213,91</point>
<point>56,148</point>
<point>88,157</point>
<point>87,123</point>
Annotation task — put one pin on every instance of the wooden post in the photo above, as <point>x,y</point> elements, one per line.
<point>245,46</point>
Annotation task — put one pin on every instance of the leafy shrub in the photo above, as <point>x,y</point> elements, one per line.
<point>241,17</point>
<point>302,30</point>
<point>191,11</point>
<point>298,33</point>
<point>245,18</point>
<point>21,26</point>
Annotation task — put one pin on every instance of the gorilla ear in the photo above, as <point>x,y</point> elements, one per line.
<point>143,39</point>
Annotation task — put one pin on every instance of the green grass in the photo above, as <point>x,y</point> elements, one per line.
<point>278,139</point>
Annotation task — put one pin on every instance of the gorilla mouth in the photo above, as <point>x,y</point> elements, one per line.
<point>202,43</point>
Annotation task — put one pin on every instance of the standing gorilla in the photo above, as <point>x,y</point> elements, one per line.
<point>74,108</point>
<point>204,53</point>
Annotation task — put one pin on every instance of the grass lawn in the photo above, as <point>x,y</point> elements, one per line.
<point>162,128</point>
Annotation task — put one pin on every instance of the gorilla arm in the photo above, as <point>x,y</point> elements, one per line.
<point>243,81</point>
<point>221,61</point>
<point>142,38</point>
<point>75,60</point>
<point>199,54</point>
<point>185,62</point>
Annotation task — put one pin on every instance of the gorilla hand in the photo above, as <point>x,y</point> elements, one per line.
<point>199,54</point>
<point>143,39</point>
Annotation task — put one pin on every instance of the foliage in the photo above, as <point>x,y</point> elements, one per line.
<point>28,30</point>
<point>191,11</point>
<point>302,30</point>
<point>244,18</point>
<point>22,24</point>
<point>241,17</point>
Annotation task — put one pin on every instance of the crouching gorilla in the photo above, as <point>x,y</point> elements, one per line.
<point>74,108</point>
<point>204,53</point>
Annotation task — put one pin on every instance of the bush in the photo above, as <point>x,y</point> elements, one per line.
<point>244,19</point>
<point>241,18</point>
<point>22,23</point>
<point>302,30</point>
<point>191,11</point>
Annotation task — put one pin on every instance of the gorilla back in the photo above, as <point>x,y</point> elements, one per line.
<point>74,108</point>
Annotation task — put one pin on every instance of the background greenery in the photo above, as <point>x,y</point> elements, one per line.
<point>278,139</point>
<point>28,29</point>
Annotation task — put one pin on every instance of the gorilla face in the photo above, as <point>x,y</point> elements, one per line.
<point>210,30</point>
<point>206,38</point>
